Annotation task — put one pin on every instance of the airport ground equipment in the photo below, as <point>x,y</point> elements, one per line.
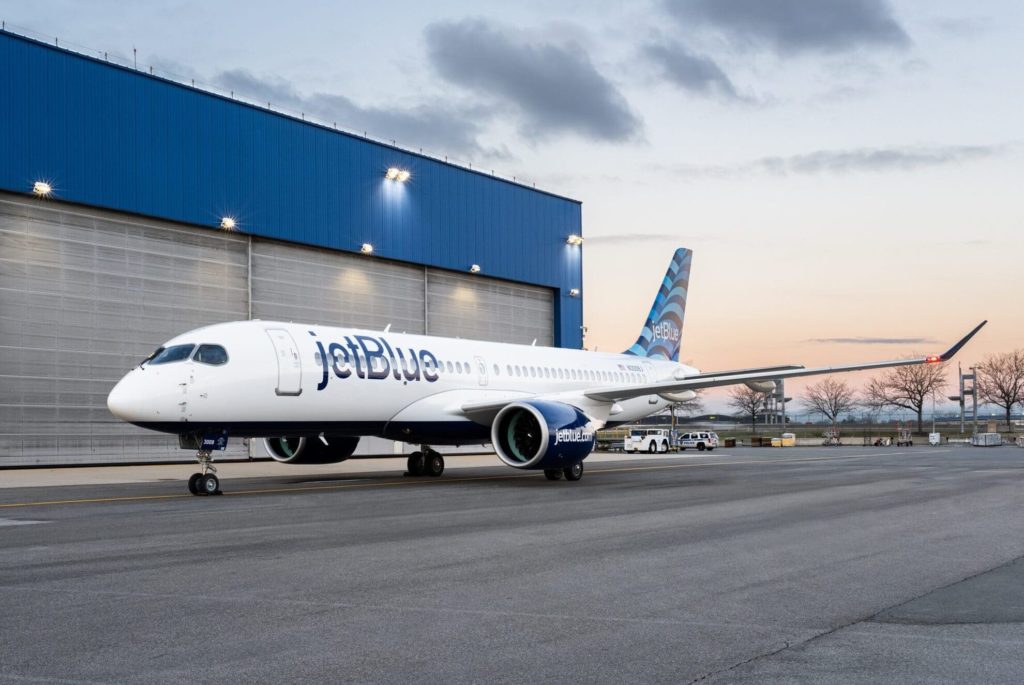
<point>647,440</point>
<point>987,440</point>
<point>904,438</point>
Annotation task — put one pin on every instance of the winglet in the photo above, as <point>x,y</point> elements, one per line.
<point>948,354</point>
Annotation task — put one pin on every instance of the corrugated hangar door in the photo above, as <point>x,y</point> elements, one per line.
<point>296,283</point>
<point>84,296</point>
<point>480,308</point>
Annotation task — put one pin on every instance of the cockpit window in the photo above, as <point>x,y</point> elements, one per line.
<point>214,355</point>
<point>174,353</point>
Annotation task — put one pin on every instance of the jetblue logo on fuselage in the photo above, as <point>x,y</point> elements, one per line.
<point>573,435</point>
<point>374,359</point>
<point>666,330</point>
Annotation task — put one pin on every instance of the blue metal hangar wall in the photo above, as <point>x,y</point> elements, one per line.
<point>127,248</point>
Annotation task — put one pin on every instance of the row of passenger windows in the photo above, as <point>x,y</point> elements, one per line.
<point>568,374</point>
<point>516,370</point>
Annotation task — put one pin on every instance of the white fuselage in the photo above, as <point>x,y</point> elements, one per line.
<point>297,379</point>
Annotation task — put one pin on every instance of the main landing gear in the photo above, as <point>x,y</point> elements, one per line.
<point>574,472</point>
<point>206,482</point>
<point>425,463</point>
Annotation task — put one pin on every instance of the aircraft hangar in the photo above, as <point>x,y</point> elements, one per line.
<point>133,208</point>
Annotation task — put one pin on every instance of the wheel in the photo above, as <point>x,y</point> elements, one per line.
<point>209,484</point>
<point>416,464</point>
<point>652,448</point>
<point>682,449</point>
<point>552,474</point>
<point>193,483</point>
<point>574,472</point>
<point>910,444</point>
<point>711,449</point>
<point>434,466</point>
<point>664,447</point>
<point>701,447</point>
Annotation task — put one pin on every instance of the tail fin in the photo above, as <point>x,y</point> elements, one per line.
<point>663,331</point>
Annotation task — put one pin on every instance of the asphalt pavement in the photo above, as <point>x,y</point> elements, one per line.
<point>845,565</point>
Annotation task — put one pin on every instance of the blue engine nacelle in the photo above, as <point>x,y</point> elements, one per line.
<point>538,434</point>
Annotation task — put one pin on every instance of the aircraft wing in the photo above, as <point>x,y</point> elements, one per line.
<point>484,411</point>
<point>614,394</point>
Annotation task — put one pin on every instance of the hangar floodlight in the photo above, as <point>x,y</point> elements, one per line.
<point>396,174</point>
<point>42,188</point>
<point>366,248</point>
<point>227,223</point>
<point>474,269</point>
<point>574,292</point>
<point>574,239</point>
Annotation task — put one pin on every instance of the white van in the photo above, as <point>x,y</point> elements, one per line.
<point>701,440</point>
<point>650,440</point>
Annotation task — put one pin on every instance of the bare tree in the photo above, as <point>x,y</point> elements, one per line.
<point>830,398</point>
<point>749,402</point>
<point>1001,381</point>
<point>906,387</point>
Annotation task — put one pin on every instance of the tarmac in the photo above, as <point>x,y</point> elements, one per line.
<point>842,565</point>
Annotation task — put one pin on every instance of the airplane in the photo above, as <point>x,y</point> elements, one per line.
<point>311,391</point>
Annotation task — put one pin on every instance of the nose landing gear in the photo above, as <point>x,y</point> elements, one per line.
<point>205,482</point>
<point>425,463</point>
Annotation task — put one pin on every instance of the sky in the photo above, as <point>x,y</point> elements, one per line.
<point>847,172</point>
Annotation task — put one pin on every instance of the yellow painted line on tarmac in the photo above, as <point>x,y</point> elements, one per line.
<point>440,481</point>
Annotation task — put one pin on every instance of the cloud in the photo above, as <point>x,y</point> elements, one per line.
<point>690,71</point>
<point>633,238</point>
<point>874,341</point>
<point>860,160</point>
<point>796,26</point>
<point>438,127</point>
<point>553,88</point>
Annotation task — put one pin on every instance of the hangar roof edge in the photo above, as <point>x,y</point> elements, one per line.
<point>7,32</point>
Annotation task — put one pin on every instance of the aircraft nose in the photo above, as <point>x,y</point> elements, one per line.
<point>120,400</point>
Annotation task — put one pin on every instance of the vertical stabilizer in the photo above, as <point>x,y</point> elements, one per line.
<point>663,330</point>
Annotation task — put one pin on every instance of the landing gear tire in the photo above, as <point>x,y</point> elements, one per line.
<point>209,484</point>
<point>204,482</point>
<point>434,466</point>
<point>553,474</point>
<point>574,472</point>
<point>416,464</point>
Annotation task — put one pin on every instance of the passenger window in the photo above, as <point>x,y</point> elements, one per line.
<point>509,369</point>
<point>497,370</point>
<point>175,353</point>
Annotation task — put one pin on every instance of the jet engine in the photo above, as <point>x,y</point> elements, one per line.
<point>761,386</point>
<point>303,450</point>
<point>539,434</point>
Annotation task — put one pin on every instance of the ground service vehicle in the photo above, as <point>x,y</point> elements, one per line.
<point>700,440</point>
<point>650,440</point>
